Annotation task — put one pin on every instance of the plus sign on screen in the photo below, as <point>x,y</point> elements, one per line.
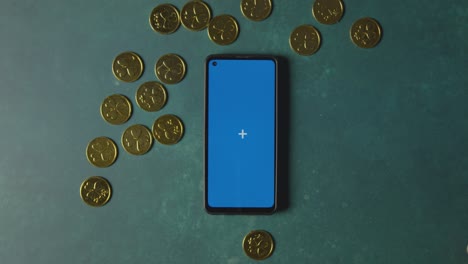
<point>241,133</point>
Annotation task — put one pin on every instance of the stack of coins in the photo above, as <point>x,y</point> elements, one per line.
<point>305,39</point>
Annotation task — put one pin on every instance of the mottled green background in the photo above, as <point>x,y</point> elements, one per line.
<point>378,138</point>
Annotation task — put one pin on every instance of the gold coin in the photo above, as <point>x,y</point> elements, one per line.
<point>170,69</point>
<point>256,10</point>
<point>116,109</point>
<point>168,129</point>
<point>366,32</point>
<point>258,244</point>
<point>151,96</point>
<point>127,67</point>
<point>137,139</point>
<point>101,152</point>
<point>328,11</point>
<point>305,40</point>
<point>223,29</point>
<point>165,19</point>
<point>95,191</point>
<point>195,15</point>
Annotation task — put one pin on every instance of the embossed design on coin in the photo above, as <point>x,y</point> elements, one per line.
<point>116,109</point>
<point>328,11</point>
<point>165,19</point>
<point>168,129</point>
<point>170,69</point>
<point>366,32</point>
<point>223,29</point>
<point>137,140</point>
<point>258,244</point>
<point>101,152</point>
<point>95,191</point>
<point>305,40</point>
<point>195,15</point>
<point>151,96</point>
<point>127,67</point>
<point>256,10</point>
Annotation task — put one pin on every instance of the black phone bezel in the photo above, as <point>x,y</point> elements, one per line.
<point>235,210</point>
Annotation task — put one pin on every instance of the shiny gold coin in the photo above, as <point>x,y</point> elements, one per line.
<point>258,244</point>
<point>116,109</point>
<point>137,140</point>
<point>328,11</point>
<point>168,129</point>
<point>127,67</point>
<point>305,40</point>
<point>366,32</point>
<point>151,96</point>
<point>165,19</point>
<point>256,10</point>
<point>223,30</point>
<point>170,69</point>
<point>95,191</point>
<point>101,152</point>
<point>195,15</point>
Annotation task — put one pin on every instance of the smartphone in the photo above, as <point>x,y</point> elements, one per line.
<point>241,134</point>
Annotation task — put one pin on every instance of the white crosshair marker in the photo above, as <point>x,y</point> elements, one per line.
<point>242,134</point>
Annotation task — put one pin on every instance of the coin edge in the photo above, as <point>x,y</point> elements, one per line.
<point>129,113</point>
<point>321,22</point>
<point>164,91</point>
<point>139,59</point>
<point>115,156</point>
<point>378,26</point>
<point>178,15</point>
<point>257,20</point>
<point>319,40</point>
<point>181,126</point>
<point>137,154</point>
<point>209,13</point>
<point>108,198</point>
<point>272,243</point>
<point>237,32</point>
<point>183,64</point>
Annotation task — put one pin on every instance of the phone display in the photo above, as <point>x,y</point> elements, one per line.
<point>240,134</point>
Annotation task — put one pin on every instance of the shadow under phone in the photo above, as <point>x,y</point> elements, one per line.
<point>284,110</point>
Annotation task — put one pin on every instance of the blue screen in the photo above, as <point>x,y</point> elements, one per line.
<point>241,133</point>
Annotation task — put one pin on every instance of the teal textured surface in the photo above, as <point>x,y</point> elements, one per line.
<point>378,138</point>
